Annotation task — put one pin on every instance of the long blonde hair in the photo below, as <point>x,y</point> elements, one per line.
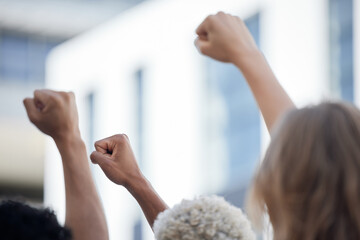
<point>309,181</point>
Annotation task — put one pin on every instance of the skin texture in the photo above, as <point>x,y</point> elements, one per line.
<point>226,38</point>
<point>55,114</point>
<point>116,158</point>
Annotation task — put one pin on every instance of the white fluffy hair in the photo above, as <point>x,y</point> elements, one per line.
<point>205,217</point>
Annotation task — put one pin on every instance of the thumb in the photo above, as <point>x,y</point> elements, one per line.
<point>99,158</point>
<point>41,98</point>
<point>42,94</point>
<point>203,46</point>
<point>31,109</point>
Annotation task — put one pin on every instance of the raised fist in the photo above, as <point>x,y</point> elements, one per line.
<point>53,113</point>
<point>116,158</point>
<point>225,38</point>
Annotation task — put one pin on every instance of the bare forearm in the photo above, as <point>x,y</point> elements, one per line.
<point>84,212</point>
<point>55,114</point>
<point>270,96</point>
<point>149,201</point>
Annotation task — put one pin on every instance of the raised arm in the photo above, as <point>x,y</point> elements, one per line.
<point>227,39</point>
<point>115,157</point>
<point>55,114</point>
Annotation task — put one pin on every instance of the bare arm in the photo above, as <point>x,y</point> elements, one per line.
<point>115,157</point>
<point>55,114</point>
<point>227,39</point>
<point>271,98</point>
<point>149,201</point>
<point>84,212</point>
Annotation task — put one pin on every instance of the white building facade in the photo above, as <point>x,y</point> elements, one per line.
<point>192,122</point>
<point>29,30</point>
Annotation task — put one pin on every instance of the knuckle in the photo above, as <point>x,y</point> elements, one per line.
<point>71,95</point>
<point>26,102</point>
<point>53,97</point>
<point>97,143</point>
<point>210,18</point>
<point>65,95</point>
<point>56,100</point>
<point>121,138</point>
<point>63,98</point>
<point>37,91</point>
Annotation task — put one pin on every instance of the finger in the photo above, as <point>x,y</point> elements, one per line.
<point>42,97</point>
<point>31,109</point>
<point>202,29</point>
<point>204,37</point>
<point>42,94</point>
<point>203,46</point>
<point>126,137</point>
<point>104,151</point>
<point>71,95</point>
<point>102,146</point>
<point>100,159</point>
<point>67,96</point>
<point>100,149</point>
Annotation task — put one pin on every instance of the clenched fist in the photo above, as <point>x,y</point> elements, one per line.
<point>53,113</point>
<point>225,38</point>
<point>116,158</point>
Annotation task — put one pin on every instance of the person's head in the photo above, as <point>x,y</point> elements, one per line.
<point>19,221</point>
<point>309,181</point>
<point>203,218</point>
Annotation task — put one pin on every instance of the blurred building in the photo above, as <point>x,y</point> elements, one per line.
<point>193,122</point>
<point>28,31</point>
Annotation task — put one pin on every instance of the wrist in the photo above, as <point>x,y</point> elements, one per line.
<point>68,141</point>
<point>136,184</point>
<point>242,61</point>
<point>67,137</point>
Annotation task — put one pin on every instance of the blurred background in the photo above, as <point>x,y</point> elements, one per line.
<point>193,123</point>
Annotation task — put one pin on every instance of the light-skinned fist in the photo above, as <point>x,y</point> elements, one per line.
<point>225,38</point>
<point>116,158</point>
<point>54,113</point>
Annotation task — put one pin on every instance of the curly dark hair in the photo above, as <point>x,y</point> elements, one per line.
<point>19,221</point>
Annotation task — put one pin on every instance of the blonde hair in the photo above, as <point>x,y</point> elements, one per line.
<point>309,181</point>
<point>204,218</point>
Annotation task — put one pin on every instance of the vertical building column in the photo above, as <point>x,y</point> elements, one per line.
<point>54,188</point>
<point>356,29</point>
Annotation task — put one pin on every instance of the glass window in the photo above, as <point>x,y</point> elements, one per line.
<point>91,119</point>
<point>23,57</point>
<point>341,48</point>
<point>242,128</point>
<point>13,57</point>
<point>139,85</point>
<point>137,230</point>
